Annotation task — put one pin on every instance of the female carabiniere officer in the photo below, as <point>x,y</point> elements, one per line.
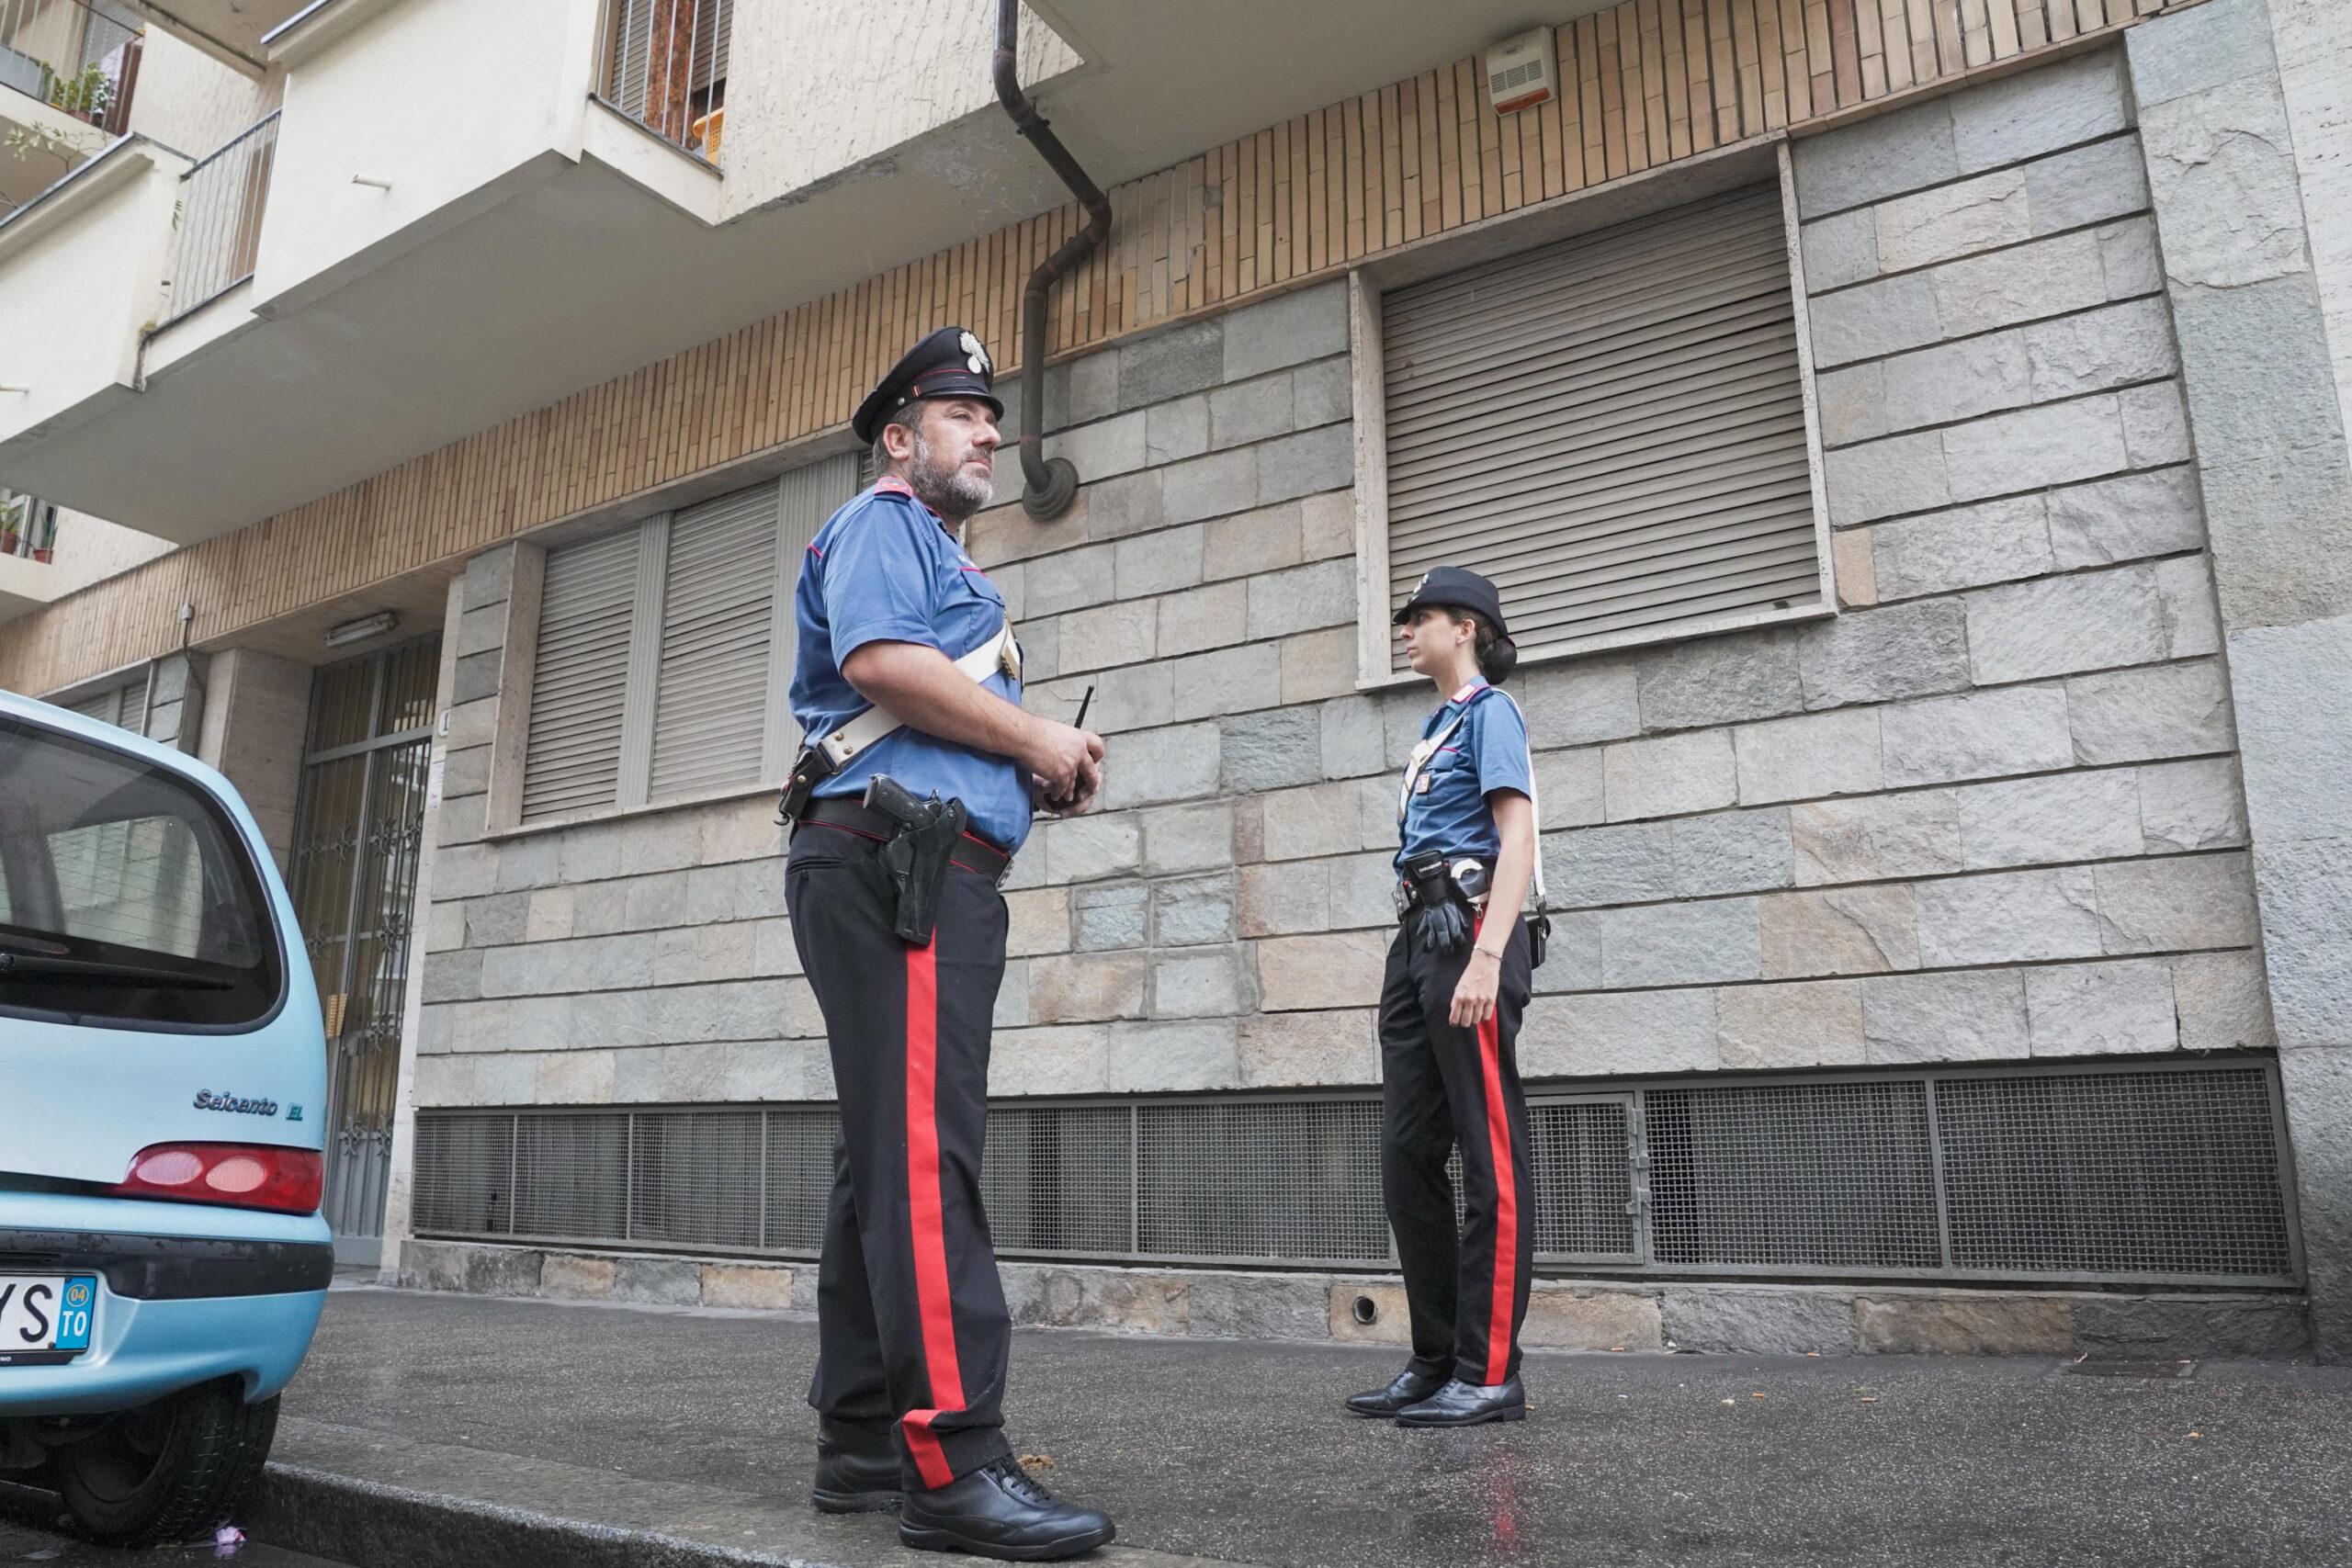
<point>1457,981</point>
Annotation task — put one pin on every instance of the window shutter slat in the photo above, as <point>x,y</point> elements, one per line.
<point>710,703</point>
<point>572,757</point>
<point>1612,427</point>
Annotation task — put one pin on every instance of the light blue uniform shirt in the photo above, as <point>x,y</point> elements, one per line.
<point>1446,811</point>
<point>884,569</point>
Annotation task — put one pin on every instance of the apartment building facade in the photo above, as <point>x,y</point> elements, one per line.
<point>1910,435</point>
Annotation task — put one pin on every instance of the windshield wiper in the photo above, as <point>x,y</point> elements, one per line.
<point>20,967</point>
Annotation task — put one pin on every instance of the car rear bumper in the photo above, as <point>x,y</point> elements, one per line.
<point>142,1351</point>
<point>187,1294</point>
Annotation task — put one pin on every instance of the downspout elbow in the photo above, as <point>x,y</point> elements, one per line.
<point>1052,485</point>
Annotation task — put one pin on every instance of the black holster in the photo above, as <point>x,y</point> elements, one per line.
<point>916,858</point>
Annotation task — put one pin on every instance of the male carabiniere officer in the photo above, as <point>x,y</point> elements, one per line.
<point>912,794</point>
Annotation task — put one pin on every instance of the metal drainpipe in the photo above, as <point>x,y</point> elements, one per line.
<point>1052,486</point>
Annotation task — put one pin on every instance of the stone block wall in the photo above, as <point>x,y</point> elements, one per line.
<point>1991,811</point>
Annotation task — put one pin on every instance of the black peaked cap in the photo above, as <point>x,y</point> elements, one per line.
<point>949,362</point>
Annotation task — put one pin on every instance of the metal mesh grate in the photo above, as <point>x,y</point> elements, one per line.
<point>2115,1172</point>
<point>695,1177</point>
<point>2141,1173</point>
<point>1280,1179</point>
<point>572,1175</point>
<point>1582,1154</point>
<point>462,1173</point>
<point>800,1176</point>
<point>1812,1175</point>
<point>1060,1179</point>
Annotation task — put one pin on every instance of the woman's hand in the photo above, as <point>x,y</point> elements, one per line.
<point>1474,995</point>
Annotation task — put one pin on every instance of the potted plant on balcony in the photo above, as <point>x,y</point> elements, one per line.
<point>12,521</point>
<point>85,94</point>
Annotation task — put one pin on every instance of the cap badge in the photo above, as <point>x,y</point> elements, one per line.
<point>1421,585</point>
<point>975,356</point>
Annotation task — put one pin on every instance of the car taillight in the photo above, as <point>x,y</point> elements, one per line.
<point>243,1176</point>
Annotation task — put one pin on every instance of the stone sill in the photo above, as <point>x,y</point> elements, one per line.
<point>602,814</point>
<point>1594,648</point>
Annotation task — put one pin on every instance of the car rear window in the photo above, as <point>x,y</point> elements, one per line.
<point>127,896</point>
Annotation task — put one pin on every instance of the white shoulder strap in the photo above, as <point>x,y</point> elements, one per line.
<point>1001,651</point>
<point>1423,749</point>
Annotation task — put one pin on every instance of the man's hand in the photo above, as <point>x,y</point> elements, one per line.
<point>1061,757</point>
<point>1090,784</point>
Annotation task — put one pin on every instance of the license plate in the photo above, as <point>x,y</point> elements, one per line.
<point>45,1318</point>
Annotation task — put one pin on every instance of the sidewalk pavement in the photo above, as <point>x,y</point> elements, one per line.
<point>432,1429</point>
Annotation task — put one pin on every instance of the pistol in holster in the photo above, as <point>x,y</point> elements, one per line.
<point>923,838</point>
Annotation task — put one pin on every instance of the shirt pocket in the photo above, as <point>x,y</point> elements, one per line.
<point>973,586</point>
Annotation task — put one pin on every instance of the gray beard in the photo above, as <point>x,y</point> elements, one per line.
<point>947,491</point>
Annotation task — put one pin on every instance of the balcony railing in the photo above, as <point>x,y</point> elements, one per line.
<point>78,57</point>
<point>221,201</point>
<point>28,525</point>
<point>664,65</point>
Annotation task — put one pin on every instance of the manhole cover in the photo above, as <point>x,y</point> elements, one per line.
<point>2134,1368</point>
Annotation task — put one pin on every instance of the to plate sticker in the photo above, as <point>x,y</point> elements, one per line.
<point>46,1318</point>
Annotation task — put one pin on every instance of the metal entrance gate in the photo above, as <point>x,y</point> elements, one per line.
<point>358,832</point>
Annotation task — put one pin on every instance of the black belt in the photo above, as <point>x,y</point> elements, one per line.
<point>1409,898</point>
<point>974,854</point>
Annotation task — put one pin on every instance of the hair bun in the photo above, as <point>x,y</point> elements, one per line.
<point>1500,660</point>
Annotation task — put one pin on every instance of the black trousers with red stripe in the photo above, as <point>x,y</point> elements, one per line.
<point>1442,1085</point>
<point>912,1332</point>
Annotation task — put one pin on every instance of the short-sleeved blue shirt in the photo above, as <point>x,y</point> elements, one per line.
<point>1447,811</point>
<point>884,569</point>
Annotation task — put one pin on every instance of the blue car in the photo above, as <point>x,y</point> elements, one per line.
<point>162,1079</point>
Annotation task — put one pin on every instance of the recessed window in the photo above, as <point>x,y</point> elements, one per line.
<point>665,649</point>
<point>1612,427</point>
<point>123,705</point>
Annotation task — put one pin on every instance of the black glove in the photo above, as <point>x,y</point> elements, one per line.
<point>1440,927</point>
<point>1440,921</point>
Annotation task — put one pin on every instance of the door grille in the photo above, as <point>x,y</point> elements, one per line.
<point>2132,1173</point>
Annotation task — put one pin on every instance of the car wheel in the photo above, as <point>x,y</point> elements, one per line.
<point>171,1470</point>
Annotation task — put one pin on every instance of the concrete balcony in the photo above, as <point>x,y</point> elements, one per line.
<point>465,211</point>
<point>229,30</point>
<point>27,539</point>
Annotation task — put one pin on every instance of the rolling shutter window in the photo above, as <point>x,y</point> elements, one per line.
<point>714,20</point>
<point>1612,428</point>
<point>102,708</point>
<point>710,709</point>
<point>806,498</point>
<point>124,706</point>
<point>572,757</point>
<point>132,712</point>
<point>632,45</point>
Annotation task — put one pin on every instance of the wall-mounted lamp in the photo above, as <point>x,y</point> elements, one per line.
<point>363,628</point>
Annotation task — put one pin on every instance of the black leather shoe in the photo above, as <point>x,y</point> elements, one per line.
<point>1410,1388</point>
<point>999,1511</point>
<point>1460,1403</point>
<point>854,1478</point>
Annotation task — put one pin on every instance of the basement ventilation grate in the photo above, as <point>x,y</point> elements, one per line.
<point>2134,1173</point>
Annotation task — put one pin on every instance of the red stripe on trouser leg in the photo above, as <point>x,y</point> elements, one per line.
<point>938,1312</point>
<point>1506,1284</point>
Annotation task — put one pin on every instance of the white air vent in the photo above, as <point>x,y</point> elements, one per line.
<point>1522,72</point>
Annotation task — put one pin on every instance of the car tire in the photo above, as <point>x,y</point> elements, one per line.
<point>169,1472</point>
